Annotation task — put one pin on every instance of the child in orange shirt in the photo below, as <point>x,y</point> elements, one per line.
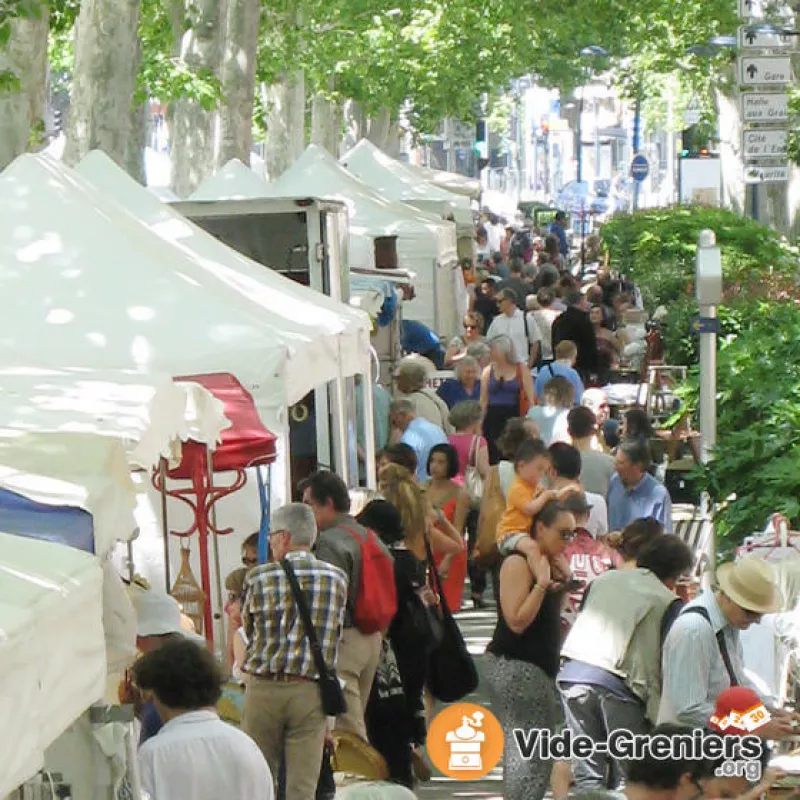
<point>526,498</point>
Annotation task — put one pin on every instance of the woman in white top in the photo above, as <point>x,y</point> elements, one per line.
<point>551,417</point>
<point>544,316</point>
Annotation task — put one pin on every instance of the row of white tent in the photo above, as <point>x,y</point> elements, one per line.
<point>384,198</point>
<point>110,294</point>
<point>113,293</point>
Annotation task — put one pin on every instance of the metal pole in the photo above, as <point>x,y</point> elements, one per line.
<point>709,293</point>
<point>368,406</point>
<point>637,135</point>
<point>596,138</point>
<point>219,615</point>
<point>580,134</point>
<point>756,211</point>
<point>162,467</point>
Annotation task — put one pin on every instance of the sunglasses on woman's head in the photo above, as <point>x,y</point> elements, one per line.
<point>567,535</point>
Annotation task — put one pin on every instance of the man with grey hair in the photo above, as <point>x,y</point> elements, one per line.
<point>282,708</point>
<point>415,431</point>
<point>519,326</point>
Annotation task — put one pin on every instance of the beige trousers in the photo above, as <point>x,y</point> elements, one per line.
<point>287,718</point>
<point>356,666</point>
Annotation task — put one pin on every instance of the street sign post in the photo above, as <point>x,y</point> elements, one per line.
<point>765,70</point>
<point>640,168</point>
<point>705,325</point>
<point>751,38</point>
<point>766,143</point>
<point>764,174</point>
<point>765,107</point>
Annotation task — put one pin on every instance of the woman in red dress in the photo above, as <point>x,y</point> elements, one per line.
<point>452,501</point>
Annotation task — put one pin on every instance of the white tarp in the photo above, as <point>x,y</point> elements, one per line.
<point>150,415</point>
<point>79,470</point>
<point>324,337</point>
<point>426,245</point>
<point>451,181</point>
<point>52,652</point>
<point>392,179</point>
<point>94,288</point>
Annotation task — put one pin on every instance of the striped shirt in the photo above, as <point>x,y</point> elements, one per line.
<point>277,642</point>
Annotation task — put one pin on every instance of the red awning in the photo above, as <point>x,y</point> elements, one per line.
<point>246,443</point>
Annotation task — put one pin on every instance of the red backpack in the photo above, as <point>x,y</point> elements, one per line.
<point>376,600</point>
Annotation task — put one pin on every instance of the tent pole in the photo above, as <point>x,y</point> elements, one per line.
<point>369,426</point>
<point>219,616</point>
<point>164,523</point>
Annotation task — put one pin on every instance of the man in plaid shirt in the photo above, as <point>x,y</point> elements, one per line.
<point>282,707</point>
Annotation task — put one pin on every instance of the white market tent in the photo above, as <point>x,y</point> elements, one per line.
<point>150,415</point>
<point>451,181</point>
<point>52,652</point>
<point>73,470</point>
<point>234,181</point>
<point>391,179</point>
<point>426,245</point>
<point>120,298</point>
<point>338,335</point>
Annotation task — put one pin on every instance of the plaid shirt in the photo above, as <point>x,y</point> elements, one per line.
<point>277,643</point>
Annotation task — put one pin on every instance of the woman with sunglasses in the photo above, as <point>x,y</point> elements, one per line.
<point>473,332</point>
<point>522,659</point>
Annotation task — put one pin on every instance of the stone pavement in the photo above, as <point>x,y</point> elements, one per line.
<point>477,627</point>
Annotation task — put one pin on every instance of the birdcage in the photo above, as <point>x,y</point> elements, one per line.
<point>186,590</point>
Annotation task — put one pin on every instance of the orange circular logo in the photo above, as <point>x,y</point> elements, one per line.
<point>465,742</point>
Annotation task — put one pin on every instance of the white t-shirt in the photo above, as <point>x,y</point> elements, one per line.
<point>598,516</point>
<point>514,328</point>
<point>197,756</point>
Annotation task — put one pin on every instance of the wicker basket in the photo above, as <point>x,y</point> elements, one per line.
<point>190,596</point>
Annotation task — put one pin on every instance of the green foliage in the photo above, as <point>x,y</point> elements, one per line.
<point>794,134</point>
<point>656,249</point>
<point>755,463</point>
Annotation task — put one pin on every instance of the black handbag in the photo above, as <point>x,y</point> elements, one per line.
<point>330,690</point>
<point>452,674</point>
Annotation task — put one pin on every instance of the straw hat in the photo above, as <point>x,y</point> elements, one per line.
<point>353,756</point>
<point>750,583</point>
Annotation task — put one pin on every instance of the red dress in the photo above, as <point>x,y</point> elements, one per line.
<point>454,585</point>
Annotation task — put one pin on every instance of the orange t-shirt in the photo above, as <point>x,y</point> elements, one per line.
<point>515,519</point>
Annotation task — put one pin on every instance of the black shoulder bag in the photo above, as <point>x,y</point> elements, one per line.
<point>452,674</point>
<point>723,647</point>
<point>330,690</point>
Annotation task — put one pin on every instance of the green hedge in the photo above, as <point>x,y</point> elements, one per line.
<point>656,249</point>
<point>757,458</point>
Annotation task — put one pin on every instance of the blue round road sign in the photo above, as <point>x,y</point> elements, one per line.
<point>640,168</point>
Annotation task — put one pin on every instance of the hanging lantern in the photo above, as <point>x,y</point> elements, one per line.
<point>186,590</point>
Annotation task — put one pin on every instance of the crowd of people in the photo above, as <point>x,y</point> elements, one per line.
<point>511,474</point>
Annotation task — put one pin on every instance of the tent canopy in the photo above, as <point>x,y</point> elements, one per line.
<point>78,471</point>
<point>244,444</point>
<point>391,179</point>
<point>426,244</point>
<point>323,337</point>
<point>52,652</point>
<point>451,181</point>
<point>150,415</point>
<point>234,181</point>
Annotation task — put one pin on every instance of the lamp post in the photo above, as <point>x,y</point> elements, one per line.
<point>592,51</point>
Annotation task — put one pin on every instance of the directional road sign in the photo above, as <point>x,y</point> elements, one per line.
<point>779,174</point>
<point>757,9</point>
<point>765,107</point>
<point>765,71</point>
<point>640,168</point>
<point>705,325</point>
<point>750,38</point>
<point>766,143</point>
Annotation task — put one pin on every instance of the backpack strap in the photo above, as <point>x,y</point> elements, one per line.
<point>472,456</point>
<point>723,647</point>
<point>670,615</point>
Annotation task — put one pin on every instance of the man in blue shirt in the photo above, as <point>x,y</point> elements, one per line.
<point>564,366</point>
<point>416,337</point>
<point>633,493</point>
<point>419,434</point>
<point>558,228</point>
